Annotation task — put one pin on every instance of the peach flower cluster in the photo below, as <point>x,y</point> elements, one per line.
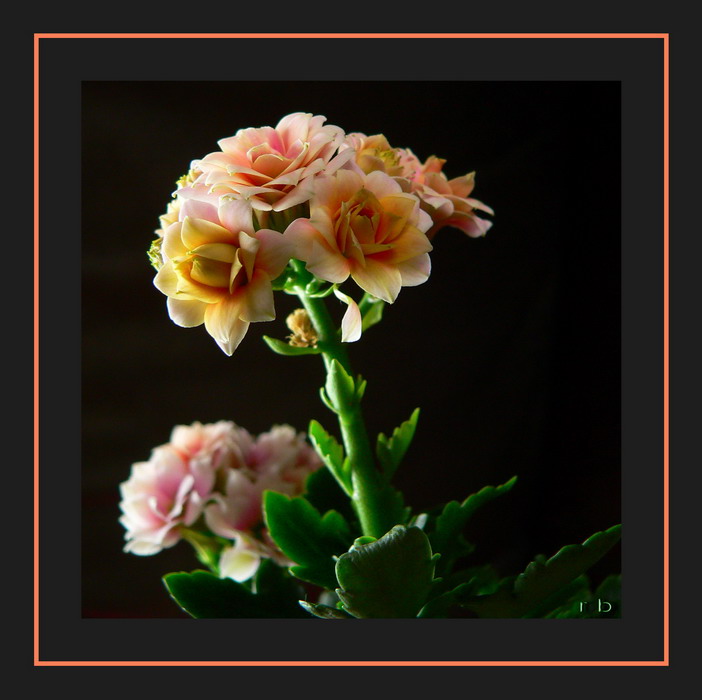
<point>347,205</point>
<point>210,478</point>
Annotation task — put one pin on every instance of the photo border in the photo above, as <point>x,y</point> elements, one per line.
<point>90,630</point>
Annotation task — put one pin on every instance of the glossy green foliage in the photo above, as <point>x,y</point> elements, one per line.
<point>390,451</point>
<point>535,592</point>
<point>387,578</point>
<point>307,537</point>
<point>332,454</point>
<point>447,534</point>
<point>201,594</point>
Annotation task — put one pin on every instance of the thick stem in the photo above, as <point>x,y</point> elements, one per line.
<point>369,487</point>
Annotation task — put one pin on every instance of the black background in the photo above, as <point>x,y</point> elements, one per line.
<point>511,349</point>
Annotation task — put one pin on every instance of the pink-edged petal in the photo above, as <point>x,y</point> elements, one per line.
<point>339,161</point>
<point>293,127</point>
<point>379,280</point>
<point>257,299</point>
<point>271,164</point>
<point>197,209</point>
<point>477,204</point>
<point>236,214</point>
<point>302,193</point>
<point>415,271</point>
<point>274,253</point>
<point>424,221</point>
<point>381,185</point>
<point>473,226</point>
<point>327,265</point>
<point>352,322</point>
<point>186,313</point>
<point>462,186</point>
<point>300,234</point>
<point>224,325</point>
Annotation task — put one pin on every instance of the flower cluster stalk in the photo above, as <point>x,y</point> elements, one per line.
<point>369,486</point>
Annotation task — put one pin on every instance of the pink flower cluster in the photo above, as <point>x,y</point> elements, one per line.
<point>346,205</point>
<point>211,478</point>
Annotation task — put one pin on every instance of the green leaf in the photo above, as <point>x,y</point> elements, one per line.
<point>388,578</point>
<point>201,594</point>
<point>323,491</point>
<point>340,387</point>
<point>531,590</point>
<point>371,310</point>
<point>306,537</point>
<point>464,585</point>
<point>390,451</point>
<point>446,537</point>
<point>324,611</point>
<point>283,348</point>
<point>332,454</point>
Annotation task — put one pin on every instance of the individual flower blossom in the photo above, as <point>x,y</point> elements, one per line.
<point>216,269</point>
<point>446,201</point>
<point>279,460</point>
<point>271,167</point>
<point>170,490</point>
<point>364,227</point>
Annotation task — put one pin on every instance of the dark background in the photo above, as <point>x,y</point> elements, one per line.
<point>511,349</point>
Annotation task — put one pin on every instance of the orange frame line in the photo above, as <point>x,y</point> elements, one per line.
<point>353,35</point>
<point>666,337</point>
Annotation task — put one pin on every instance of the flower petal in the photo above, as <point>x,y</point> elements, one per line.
<point>236,214</point>
<point>239,562</point>
<point>352,322</point>
<point>325,264</point>
<point>380,280</point>
<point>275,252</point>
<point>186,313</point>
<point>224,325</point>
<point>257,299</point>
<point>196,232</point>
<point>415,271</point>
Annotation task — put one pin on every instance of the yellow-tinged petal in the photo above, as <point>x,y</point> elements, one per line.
<point>237,266</point>
<point>216,251</point>
<point>172,246</point>
<point>186,313</point>
<point>224,325</point>
<point>247,252</point>
<point>166,280</point>
<point>378,279</point>
<point>213,273</point>
<point>187,288</point>
<point>197,232</point>
<point>257,299</point>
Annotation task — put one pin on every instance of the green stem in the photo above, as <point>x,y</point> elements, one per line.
<point>370,490</point>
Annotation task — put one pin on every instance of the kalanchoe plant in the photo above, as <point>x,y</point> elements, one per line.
<point>290,528</point>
